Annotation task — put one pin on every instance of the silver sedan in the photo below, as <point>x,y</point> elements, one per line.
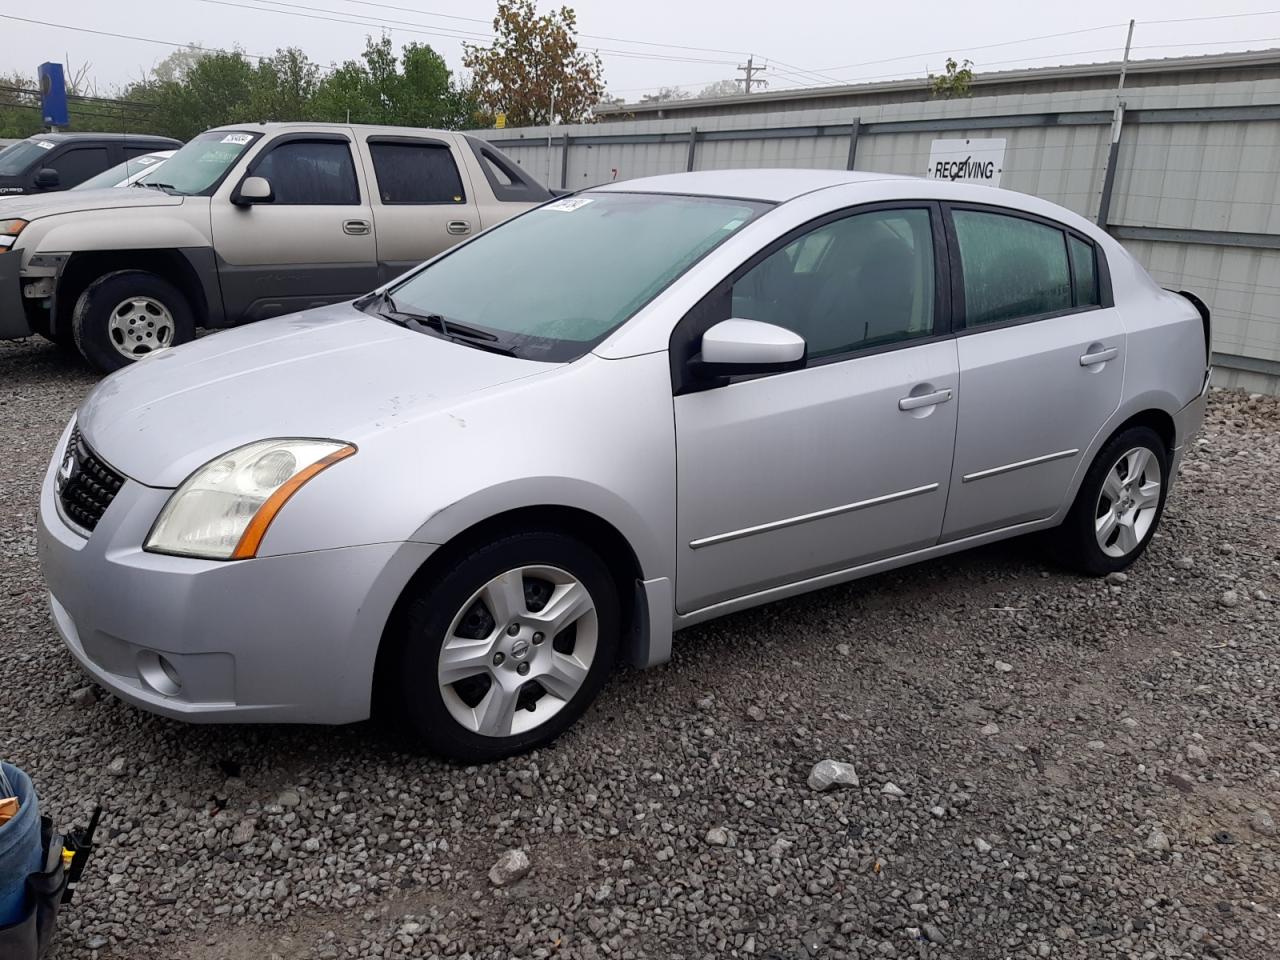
<point>464,498</point>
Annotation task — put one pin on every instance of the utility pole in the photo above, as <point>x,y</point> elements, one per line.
<point>749,72</point>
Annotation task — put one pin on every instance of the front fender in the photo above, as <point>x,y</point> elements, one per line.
<point>150,229</point>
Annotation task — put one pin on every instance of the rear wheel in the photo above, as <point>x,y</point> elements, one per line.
<point>507,650</point>
<point>130,314</point>
<point>1119,504</point>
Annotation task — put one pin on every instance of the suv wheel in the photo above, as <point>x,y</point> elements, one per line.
<point>127,315</point>
<point>1119,505</point>
<point>509,648</point>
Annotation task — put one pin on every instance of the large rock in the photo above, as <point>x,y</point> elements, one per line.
<point>511,866</point>
<point>832,773</point>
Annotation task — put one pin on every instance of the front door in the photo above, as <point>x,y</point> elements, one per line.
<point>312,244</point>
<point>1041,367</point>
<point>790,476</point>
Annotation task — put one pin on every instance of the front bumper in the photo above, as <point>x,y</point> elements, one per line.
<point>13,318</point>
<point>282,639</point>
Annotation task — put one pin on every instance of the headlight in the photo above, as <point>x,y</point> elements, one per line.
<point>223,509</point>
<point>9,230</point>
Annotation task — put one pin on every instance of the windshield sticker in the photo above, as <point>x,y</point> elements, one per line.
<point>568,204</point>
<point>45,145</point>
<point>240,138</point>
<point>144,161</point>
<point>733,224</point>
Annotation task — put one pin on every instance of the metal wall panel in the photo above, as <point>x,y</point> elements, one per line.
<point>1214,166</point>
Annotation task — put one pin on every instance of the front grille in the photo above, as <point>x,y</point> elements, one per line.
<point>86,485</point>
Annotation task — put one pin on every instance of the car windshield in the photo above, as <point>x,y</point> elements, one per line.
<point>121,172</point>
<point>18,157</point>
<point>200,165</point>
<point>552,283</point>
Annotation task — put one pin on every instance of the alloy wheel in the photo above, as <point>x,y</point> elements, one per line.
<point>140,326</point>
<point>518,651</point>
<point>1128,502</point>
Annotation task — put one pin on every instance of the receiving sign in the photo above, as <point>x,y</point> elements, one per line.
<point>969,161</point>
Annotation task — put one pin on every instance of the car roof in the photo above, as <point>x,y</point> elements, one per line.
<point>88,135</point>
<point>773,185</point>
<point>273,125</point>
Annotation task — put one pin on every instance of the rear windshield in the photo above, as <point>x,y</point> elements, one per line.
<point>22,156</point>
<point>552,283</point>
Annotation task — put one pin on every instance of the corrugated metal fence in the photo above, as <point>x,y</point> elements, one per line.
<point>1195,190</point>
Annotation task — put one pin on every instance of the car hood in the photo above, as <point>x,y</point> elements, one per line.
<point>34,205</point>
<point>333,372</point>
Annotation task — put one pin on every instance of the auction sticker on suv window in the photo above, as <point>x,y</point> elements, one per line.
<point>45,145</point>
<point>237,138</point>
<point>569,204</point>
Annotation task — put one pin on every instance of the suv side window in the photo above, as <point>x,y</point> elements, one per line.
<point>862,281</point>
<point>310,172</point>
<point>78,164</point>
<point>1013,268</point>
<point>416,172</point>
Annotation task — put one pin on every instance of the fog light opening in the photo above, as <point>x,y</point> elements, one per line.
<point>155,670</point>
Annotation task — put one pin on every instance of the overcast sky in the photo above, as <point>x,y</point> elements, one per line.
<point>805,42</point>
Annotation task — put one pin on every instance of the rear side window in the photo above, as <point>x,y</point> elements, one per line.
<point>1084,273</point>
<point>310,172</point>
<point>1013,268</point>
<point>416,173</point>
<point>78,165</point>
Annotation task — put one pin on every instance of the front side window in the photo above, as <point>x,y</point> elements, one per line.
<point>552,283</point>
<point>78,165</point>
<point>859,282</point>
<point>199,166</point>
<point>416,173</point>
<point>310,172</point>
<point>1013,268</point>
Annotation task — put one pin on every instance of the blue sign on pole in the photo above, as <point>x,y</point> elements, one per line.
<point>53,95</point>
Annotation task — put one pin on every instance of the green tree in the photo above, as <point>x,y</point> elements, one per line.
<point>415,89</point>
<point>954,82</point>
<point>532,61</point>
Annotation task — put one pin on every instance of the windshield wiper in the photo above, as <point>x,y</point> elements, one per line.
<point>162,187</point>
<point>451,329</point>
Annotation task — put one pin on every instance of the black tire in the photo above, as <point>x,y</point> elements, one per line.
<point>91,318</point>
<point>419,701</point>
<point>1077,538</point>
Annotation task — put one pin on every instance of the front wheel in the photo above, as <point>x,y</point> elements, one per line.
<point>1119,504</point>
<point>127,315</point>
<point>509,648</point>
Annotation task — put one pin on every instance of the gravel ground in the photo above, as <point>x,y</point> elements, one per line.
<point>1047,767</point>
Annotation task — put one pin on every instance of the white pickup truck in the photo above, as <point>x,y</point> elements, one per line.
<point>243,223</point>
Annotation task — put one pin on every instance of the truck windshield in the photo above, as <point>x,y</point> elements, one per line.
<point>551,284</point>
<point>199,167</point>
<point>21,156</point>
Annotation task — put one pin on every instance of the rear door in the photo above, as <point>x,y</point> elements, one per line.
<point>1041,350</point>
<point>420,203</point>
<point>312,244</point>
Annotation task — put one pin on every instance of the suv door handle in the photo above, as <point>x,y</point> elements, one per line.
<point>925,400</point>
<point>357,228</point>
<point>458,227</point>
<point>1099,356</point>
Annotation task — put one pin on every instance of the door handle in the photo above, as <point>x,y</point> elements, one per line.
<point>925,400</point>
<point>1099,356</point>
<point>357,228</point>
<point>458,227</point>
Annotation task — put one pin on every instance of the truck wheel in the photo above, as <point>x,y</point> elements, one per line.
<point>130,314</point>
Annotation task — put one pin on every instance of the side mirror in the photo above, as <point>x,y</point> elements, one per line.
<point>47,178</point>
<point>253,190</point>
<point>735,348</point>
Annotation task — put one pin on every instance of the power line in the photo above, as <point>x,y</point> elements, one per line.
<point>410,26</point>
<point>129,36</point>
<point>749,71</point>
